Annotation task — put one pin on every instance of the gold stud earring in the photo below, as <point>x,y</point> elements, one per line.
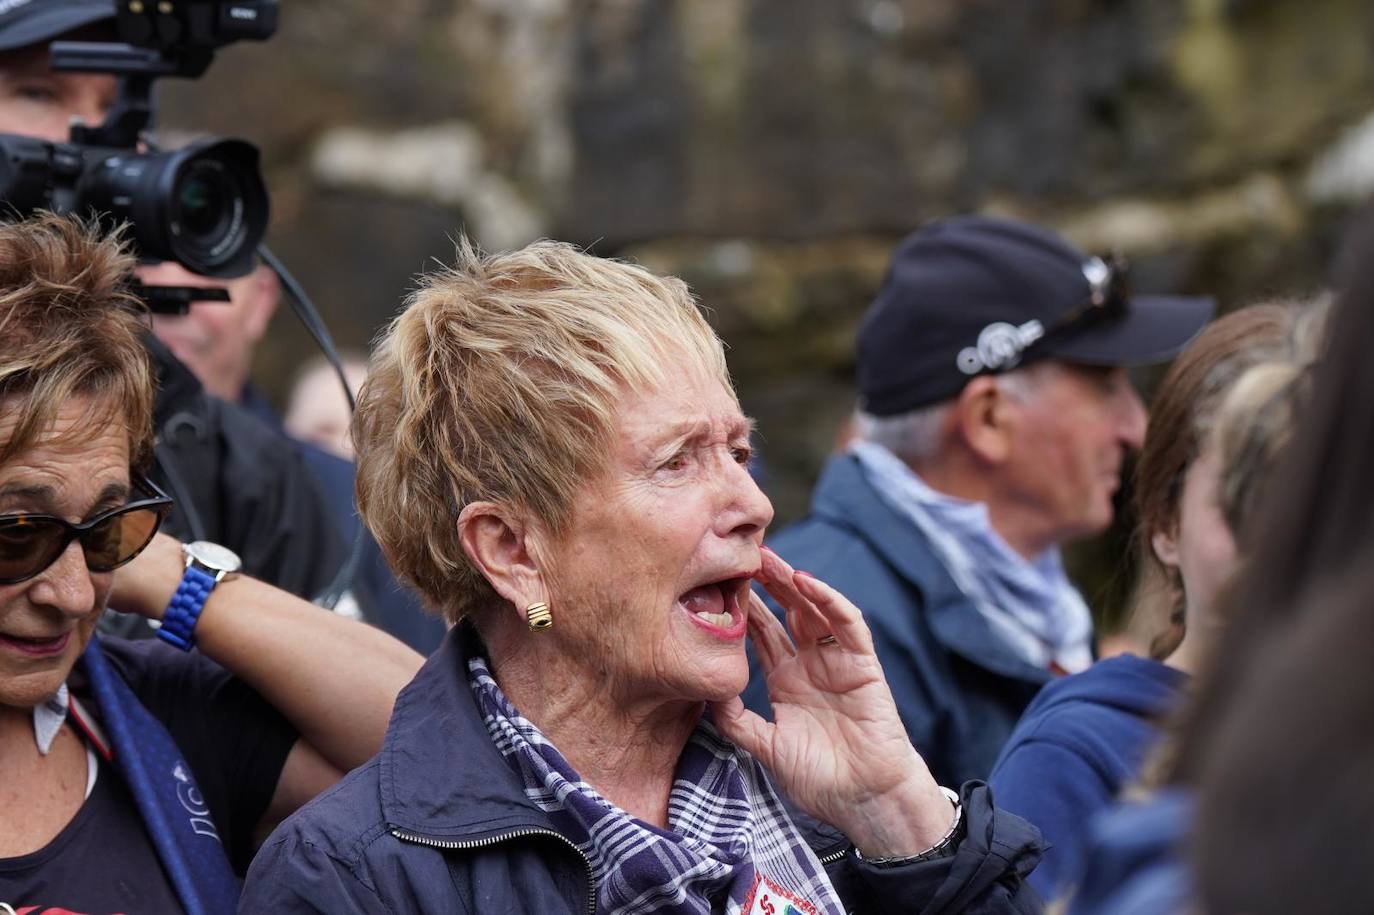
<point>538,616</point>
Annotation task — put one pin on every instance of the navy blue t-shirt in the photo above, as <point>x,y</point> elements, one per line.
<point>104,861</point>
<point>101,862</point>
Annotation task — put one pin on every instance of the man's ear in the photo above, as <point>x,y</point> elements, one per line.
<point>263,289</point>
<point>506,550</point>
<point>982,419</point>
<point>1165,545</point>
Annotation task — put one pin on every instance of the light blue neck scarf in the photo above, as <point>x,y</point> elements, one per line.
<point>1031,604</point>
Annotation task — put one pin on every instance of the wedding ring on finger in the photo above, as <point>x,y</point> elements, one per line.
<point>826,640</point>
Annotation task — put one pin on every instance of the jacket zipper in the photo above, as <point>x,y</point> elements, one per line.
<point>833,857</point>
<point>496,840</point>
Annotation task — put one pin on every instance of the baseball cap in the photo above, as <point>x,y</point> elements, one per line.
<point>26,22</point>
<point>975,295</point>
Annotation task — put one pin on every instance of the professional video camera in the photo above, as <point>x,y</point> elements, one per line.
<point>205,205</point>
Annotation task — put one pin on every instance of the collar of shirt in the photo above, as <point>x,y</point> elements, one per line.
<point>48,718</point>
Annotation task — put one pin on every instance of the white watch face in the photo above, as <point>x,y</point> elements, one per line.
<point>213,556</point>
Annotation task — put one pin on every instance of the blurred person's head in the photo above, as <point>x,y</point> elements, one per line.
<point>317,410</point>
<point>1188,547</point>
<point>35,100</point>
<point>1284,794</point>
<point>216,340</point>
<point>1277,742</point>
<point>993,362</point>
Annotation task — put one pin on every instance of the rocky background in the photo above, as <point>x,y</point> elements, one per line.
<point>773,151</point>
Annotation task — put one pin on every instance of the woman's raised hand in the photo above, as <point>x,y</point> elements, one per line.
<point>836,745</point>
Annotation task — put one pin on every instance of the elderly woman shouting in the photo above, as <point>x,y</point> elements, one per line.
<point>550,449</point>
<point>140,777</point>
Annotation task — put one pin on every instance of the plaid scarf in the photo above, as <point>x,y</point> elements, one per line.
<point>729,842</point>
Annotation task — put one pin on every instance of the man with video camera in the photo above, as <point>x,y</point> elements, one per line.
<point>237,480</point>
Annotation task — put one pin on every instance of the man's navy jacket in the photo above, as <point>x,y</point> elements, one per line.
<point>959,688</point>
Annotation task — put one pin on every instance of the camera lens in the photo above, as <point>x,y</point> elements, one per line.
<point>202,201</point>
<point>217,211</point>
<point>204,206</point>
<point>207,213</point>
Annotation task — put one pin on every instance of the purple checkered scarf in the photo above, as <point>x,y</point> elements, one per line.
<point>727,827</point>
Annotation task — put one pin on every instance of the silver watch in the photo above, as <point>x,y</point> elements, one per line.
<point>218,561</point>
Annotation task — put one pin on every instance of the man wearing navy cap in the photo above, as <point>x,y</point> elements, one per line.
<point>994,416</point>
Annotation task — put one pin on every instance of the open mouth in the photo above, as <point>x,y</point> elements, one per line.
<point>38,648</point>
<point>718,606</point>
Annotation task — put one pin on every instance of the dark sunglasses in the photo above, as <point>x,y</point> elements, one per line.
<point>31,543</point>
<point>1109,294</point>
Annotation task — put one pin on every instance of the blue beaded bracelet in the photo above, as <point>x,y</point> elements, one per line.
<point>182,614</point>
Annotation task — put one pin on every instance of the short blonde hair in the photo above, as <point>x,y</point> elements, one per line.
<point>499,381</point>
<point>70,327</point>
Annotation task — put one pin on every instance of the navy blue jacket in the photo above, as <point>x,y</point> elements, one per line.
<point>439,822</point>
<point>1081,741</point>
<point>959,688</point>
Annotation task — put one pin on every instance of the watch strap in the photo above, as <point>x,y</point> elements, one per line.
<point>183,612</point>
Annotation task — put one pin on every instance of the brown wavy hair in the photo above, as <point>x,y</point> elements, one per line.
<point>69,327</point>
<point>1181,415</point>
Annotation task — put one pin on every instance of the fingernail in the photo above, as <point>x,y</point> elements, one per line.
<point>804,574</point>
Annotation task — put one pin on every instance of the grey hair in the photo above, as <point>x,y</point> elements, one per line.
<point>917,436</point>
<point>914,436</point>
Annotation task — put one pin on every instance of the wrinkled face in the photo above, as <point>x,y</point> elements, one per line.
<point>1073,431</point>
<point>1203,549</point>
<point>215,340</point>
<point>36,102</point>
<point>648,581</point>
<point>46,621</point>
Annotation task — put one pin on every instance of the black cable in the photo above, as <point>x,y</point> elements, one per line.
<point>310,318</point>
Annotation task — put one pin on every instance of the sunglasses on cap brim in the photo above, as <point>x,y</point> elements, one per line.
<point>1001,346</point>
<point>30,543</point>
<point>1109,294</point>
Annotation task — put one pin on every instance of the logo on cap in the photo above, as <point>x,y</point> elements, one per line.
<point>999,347</point>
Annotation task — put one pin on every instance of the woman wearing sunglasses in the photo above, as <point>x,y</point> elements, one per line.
<point>140,777</point>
